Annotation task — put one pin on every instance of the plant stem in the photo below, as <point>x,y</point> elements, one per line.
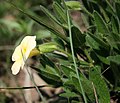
<point>72,50</point>
<point>88,56</point>
<point>40,94</point>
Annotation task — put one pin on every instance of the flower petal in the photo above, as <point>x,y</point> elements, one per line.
<point>16,67</point>
<point>23,50</point>
<point>27,45</point>
<point>17,54</point>
<point>29,40</point>
<point>22,53</point>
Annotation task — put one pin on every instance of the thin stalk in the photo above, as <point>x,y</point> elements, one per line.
<point>40,94</point>
<point>96,98</point>
<point>88,56</point>
<point>72,50</point>
<point>31,87</point>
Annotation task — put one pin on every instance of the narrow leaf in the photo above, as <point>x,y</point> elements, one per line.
<point>78,37</point>
<point>45,61</point>
<point>117,6</point>
<point>68,94</point>
<point>100,85</point>
<point>115,59</point>
<point>99,41</point>
<point>43,23</point>
<point>87,86</point>
<point>92,43</point>
<point>66,70</point>
<point>61,14</point>
<point>103,59</point>
<point>100,23</point>
<point>110,8</point>
<point>50,15</point>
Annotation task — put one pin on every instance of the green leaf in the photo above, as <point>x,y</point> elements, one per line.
<point>78,37</point>
<point>58,1</point>
<point>110,8</point>
<point>92,43</point>
<point>115,73</point>
<point>60,12</point>
<point>100,24</point>
<point>67,83</point>
<point>51,70</point>
<point>76,84</point>
<point>49,75</point>
<point>42,22</point>
<point>68,94</point>
<point>100,85</point>
<point>117,6</point>
<point>74,5</point>
<point>99,41</point>
<point>86,8</point>
<point>84,64</point>
<point>87,86</point>
<point>50,15</point>
<point>67,70</point>
<point>115,59</point>
<point>111,40</point>
<point>104,13</point>
<point>45,61</point>
<point>103,59</point>
<point>116,38</point>
<point>115,25</point>
<point>41,34</point>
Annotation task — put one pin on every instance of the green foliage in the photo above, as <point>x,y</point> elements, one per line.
<point>100,85</point>
<point>100,24</point>
<point>77,37</point>
<point>95,49</point>
<point>115,59</point>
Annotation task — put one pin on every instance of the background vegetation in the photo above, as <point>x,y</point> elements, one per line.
<point>78,41</point>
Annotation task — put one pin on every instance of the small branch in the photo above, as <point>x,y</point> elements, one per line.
<point>32,87</point>
<point>96,98</point>
<point>105,70</point>
<point>88,56</point>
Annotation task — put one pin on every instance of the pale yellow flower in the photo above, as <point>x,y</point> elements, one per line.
<point>22,53</point>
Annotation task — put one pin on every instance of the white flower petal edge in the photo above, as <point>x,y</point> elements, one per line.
<point>17,54</point>
<point>16,67</point>
<point>22,53</point>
